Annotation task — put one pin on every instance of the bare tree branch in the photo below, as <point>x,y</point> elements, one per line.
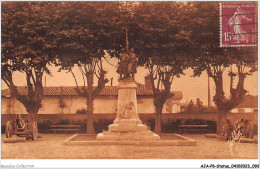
<point>33,79</point>
<point>83,75</point>
<point>96,74</point>
<point>74,77</point>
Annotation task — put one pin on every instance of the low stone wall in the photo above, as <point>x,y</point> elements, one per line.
<point>170,122</point>
<point>54,118</point>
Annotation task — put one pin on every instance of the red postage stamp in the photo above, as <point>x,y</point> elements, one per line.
<point>238,24</point>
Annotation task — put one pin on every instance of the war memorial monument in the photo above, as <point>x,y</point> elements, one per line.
<point>127,128</point>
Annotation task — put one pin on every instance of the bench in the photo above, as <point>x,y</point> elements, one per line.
<point>193,128</point>
<point>69,128</point>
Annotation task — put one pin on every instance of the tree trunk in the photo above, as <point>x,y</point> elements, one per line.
<point>158,119</point>
<point>221,121</point>
<point>90,124</point>
<point>219,102</point>
<point>32,110</point>
<point>32,117</point>
<point>219,96</point>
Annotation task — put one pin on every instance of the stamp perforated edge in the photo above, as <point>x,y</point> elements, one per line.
<point>220,25</point>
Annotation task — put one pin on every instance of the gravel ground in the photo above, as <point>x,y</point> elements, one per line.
<point>50,147</point>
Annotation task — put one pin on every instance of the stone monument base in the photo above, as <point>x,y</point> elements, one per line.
<point>165,140</point>
<point>127,126</point>
<point>127,129</point>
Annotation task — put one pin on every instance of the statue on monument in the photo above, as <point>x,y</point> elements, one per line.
<point>127,125</point>
<point>127,64</point>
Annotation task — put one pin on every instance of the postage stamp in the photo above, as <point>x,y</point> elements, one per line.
<point>238,24</point>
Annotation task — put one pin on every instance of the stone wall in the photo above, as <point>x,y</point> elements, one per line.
<point>54,118</point>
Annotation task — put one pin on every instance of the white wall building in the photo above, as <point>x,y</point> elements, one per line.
<point>249,105</point>
<point>65,100</point>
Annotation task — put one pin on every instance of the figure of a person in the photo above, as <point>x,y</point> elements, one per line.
<point>128,111</point>
<point>236,22</point>
<point>20,122</point>
<point>229,129</point>
<point>128,64</point>
<point>238,127</point>
<point>132,63</point>
<point>122,69</point>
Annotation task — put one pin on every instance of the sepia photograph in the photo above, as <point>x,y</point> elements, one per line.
<point>128,80</point>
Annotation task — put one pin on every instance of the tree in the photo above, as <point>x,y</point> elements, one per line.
<point>195,108</point>
<point>199,105</point>
<point>87,31</point>
<point>27,47</point>
<point>160,40</point>
<point>210,57</point>
<point>191,106</point>
<point>158,37</point>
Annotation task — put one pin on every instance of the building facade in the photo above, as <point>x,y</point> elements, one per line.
<point>248,105</point>
<point>65,100</point>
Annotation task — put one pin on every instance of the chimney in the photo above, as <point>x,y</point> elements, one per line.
<point>147,83</point>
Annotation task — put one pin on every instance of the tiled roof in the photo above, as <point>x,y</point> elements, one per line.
<point>70,91</point>
<point>249,101</point>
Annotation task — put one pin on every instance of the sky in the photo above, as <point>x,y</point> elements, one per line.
<point>191,87</point>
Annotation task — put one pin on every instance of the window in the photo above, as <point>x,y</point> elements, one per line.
<point>255,110</point>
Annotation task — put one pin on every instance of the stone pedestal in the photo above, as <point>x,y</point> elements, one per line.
<point>127,125</point>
